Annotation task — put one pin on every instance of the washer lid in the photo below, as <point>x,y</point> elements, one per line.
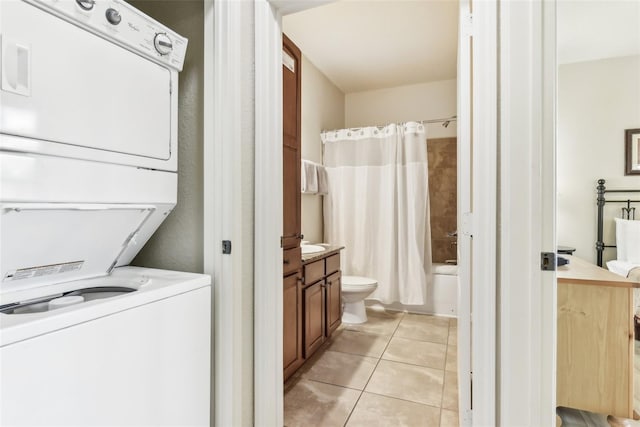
<point>47,243</point>
<point>358,281</point>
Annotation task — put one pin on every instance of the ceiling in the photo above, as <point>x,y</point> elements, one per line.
<point>590,30</point>
<point>373,44</point>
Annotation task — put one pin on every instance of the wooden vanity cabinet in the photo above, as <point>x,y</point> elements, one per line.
<point>312,305</point>
<point>314,317</point>
<point>292,324</point>
<point>333,297</point>
<point>322,300</point>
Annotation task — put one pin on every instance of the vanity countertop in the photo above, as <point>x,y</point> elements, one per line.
<point>331,249</point>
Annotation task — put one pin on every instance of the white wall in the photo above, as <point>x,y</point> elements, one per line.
<point>597,101</point>
<point>422,101</point>
<point>322,109</point>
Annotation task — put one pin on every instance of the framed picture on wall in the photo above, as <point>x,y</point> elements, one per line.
<point>632,150</point>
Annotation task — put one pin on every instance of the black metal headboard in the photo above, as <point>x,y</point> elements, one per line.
<point>628,212</point>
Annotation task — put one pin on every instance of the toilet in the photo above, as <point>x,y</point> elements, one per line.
<point>354,290</point>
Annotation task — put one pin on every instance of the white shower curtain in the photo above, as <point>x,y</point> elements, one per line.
<point>378,207</point>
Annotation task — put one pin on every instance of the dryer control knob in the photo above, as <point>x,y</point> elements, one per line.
<point>86,4</point>
<point>163,44</point>
<point>113,16</point>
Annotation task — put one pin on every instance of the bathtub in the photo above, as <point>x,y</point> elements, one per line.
<point>441,297</point>
<point>443,291</point>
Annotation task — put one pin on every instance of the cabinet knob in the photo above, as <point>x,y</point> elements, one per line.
<point>286,261</point>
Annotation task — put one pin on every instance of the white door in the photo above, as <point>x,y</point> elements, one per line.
<point>113,99</point>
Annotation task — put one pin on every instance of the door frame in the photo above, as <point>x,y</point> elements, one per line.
<point>464,211</point>
<point>527,295</point>
<point>236,168</point>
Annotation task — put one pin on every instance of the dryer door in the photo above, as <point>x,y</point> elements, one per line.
<point>68,92</point>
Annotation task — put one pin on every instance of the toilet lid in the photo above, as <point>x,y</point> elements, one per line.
<point>358,281</point>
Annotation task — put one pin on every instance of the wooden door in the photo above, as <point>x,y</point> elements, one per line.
<point>292,324</point>
<point>292,286</point>
<point>334,303</point>
<point>291,103</point>
<point>314,317</point>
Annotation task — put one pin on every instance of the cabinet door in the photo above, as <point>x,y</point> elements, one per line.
<point>334,302</point>
<point>291,136</point>
<point>292,324</point>
<point>314,317</point>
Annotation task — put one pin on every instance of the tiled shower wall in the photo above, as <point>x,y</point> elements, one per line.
<point>442,154</point>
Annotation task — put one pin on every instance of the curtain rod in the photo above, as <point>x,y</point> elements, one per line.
<point>445,122</point>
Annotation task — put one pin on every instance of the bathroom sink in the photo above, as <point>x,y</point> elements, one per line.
<point>311,249</point>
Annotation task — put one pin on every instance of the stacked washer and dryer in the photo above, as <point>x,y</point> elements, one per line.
<point>88,146</point>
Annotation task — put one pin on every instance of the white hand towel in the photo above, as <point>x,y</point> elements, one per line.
<point>309,178</point>
<point>323,180</point>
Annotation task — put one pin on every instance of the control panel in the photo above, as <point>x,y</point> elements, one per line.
<point>123,24</point>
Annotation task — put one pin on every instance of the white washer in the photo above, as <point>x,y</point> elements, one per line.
<point>139,358</point>
<point>88,155</point>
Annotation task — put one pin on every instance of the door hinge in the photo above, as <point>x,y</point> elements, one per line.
<point>547,261</point>
<point>282,241</point>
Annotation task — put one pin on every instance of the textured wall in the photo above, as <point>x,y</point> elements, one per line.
<point>443,187</point>
<point>178,244</point>
<point>322,108</point>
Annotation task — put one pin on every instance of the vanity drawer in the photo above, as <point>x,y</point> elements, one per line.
<point>313,272</point>
<point>291,259</point>
<point>333,263</point>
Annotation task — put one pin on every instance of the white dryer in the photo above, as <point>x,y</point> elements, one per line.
<point>88,171</point>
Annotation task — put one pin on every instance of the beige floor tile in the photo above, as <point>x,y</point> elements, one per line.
<point>453,321</point>
<point>422,353</point>
<point>453,335</point>
<point>452,358</point>
<point>347,370</point>
<point>375,410</point>
<point>310,403</point>
<point>426,319</point>
<point>361,343</point>
<point>429,329</point>
<point>450,394</point>
<point>379,322</point>
<point>449,418</point>
<point>408,382</point>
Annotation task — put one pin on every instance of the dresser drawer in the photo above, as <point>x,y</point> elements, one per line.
<point>333,263</point>
<point>292,260</point>
<point>313,272</point>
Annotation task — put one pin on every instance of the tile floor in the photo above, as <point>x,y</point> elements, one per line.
<point>395,370</point>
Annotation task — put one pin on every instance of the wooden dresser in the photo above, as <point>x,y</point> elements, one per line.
<point>595,351</point>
